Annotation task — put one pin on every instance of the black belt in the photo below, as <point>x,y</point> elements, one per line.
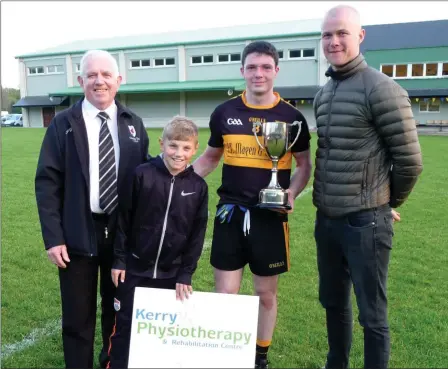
<point>102,217</point>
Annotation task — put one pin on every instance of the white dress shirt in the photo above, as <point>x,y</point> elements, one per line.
<point>93,125</point>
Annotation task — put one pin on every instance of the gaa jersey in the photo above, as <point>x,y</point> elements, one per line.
<point>247,167</point>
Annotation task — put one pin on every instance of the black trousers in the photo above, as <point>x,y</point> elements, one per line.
<point>120,340</point>
<point>355,250</point>
<point>78,284</point>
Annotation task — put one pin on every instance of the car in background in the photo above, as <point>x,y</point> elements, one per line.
<point>5,117</point>
<point>13,120</point>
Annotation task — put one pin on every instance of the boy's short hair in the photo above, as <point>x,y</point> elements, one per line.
<point>180,128</point>
<point>260,47</point>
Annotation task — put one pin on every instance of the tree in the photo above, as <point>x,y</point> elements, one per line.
<point>9,96</point>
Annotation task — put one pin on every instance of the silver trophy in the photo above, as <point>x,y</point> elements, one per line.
<point>276,137</point>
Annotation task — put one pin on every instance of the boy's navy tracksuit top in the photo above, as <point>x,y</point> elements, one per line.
<point>162,223</point>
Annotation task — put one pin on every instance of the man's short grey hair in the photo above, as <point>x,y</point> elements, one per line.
<point>98,53</point>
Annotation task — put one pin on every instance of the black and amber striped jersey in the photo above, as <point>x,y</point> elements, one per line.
<point>247,167</point>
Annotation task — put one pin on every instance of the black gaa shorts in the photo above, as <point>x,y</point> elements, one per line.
<point>265,246</point>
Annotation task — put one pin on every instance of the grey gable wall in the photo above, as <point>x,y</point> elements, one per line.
<point>198,72</point>
<point>154,109</point>
<point>201,104</point>
<point>152,73</point>
<point>41,84</point>
<point>297,72</point>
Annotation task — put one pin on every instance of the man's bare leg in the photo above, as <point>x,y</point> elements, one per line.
<point>228,281</point>
<point>266,289</point>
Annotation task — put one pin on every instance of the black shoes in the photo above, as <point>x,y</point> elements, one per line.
<point>262,364</point>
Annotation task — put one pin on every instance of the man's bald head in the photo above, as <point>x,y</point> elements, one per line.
<point>344,11</point>
<point>341,35</point>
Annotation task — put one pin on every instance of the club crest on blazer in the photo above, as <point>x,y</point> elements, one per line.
<point>132,131</point>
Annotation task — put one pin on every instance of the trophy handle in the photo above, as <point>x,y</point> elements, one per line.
<point>257,124</point>
<point>298,133</point>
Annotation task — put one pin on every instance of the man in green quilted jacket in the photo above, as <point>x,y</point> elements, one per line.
<point>367,162</point>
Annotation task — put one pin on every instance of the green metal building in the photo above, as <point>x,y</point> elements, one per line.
<point>191,72</point>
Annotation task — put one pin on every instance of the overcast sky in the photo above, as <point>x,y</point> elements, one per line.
<point>31,26</point>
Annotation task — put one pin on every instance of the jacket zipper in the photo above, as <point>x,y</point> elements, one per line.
<point>364,183</point>
<point>163,228</point>
<point>327,140</point>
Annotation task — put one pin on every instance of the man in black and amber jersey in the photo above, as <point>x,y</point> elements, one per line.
<point>244,234</point>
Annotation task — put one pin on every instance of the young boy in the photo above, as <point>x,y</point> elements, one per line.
<point>161,229</point>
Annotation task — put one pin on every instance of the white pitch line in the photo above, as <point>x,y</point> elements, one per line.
<point>36,334</point>
<point>55,325</point>
<point>52,327</point>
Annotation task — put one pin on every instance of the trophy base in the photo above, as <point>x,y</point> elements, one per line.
<point>273,198</point>
<point>273,206</point>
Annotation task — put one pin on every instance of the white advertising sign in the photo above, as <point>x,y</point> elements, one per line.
<point>208,330</point>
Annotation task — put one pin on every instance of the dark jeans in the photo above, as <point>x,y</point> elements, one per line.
<point>355,249</point>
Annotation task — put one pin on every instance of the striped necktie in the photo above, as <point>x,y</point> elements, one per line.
<point>107,171</point>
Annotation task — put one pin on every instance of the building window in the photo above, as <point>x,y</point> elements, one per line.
<point>294,54</point>
<point>203,59</point>
<point>430,106</point>
<point>417,70</point>
<point>308,53</point>
<point>35,70</point>
<point>445,69</point>
<point>388,70</point>
<point>162,62</point>
<point>78,68</point>
<point>301,53</point>
<point>207,59</point>
<point>280,54</point>
<point>401,70</point>
<point>157,62</point>
<point>434,106</point>
<point>236,57</point>
<point>54,69</point>
<point>142,63</point>
<point>431,69</point>
<point>227,58</point>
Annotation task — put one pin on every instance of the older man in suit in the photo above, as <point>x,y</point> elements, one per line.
<point>88,155</point>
